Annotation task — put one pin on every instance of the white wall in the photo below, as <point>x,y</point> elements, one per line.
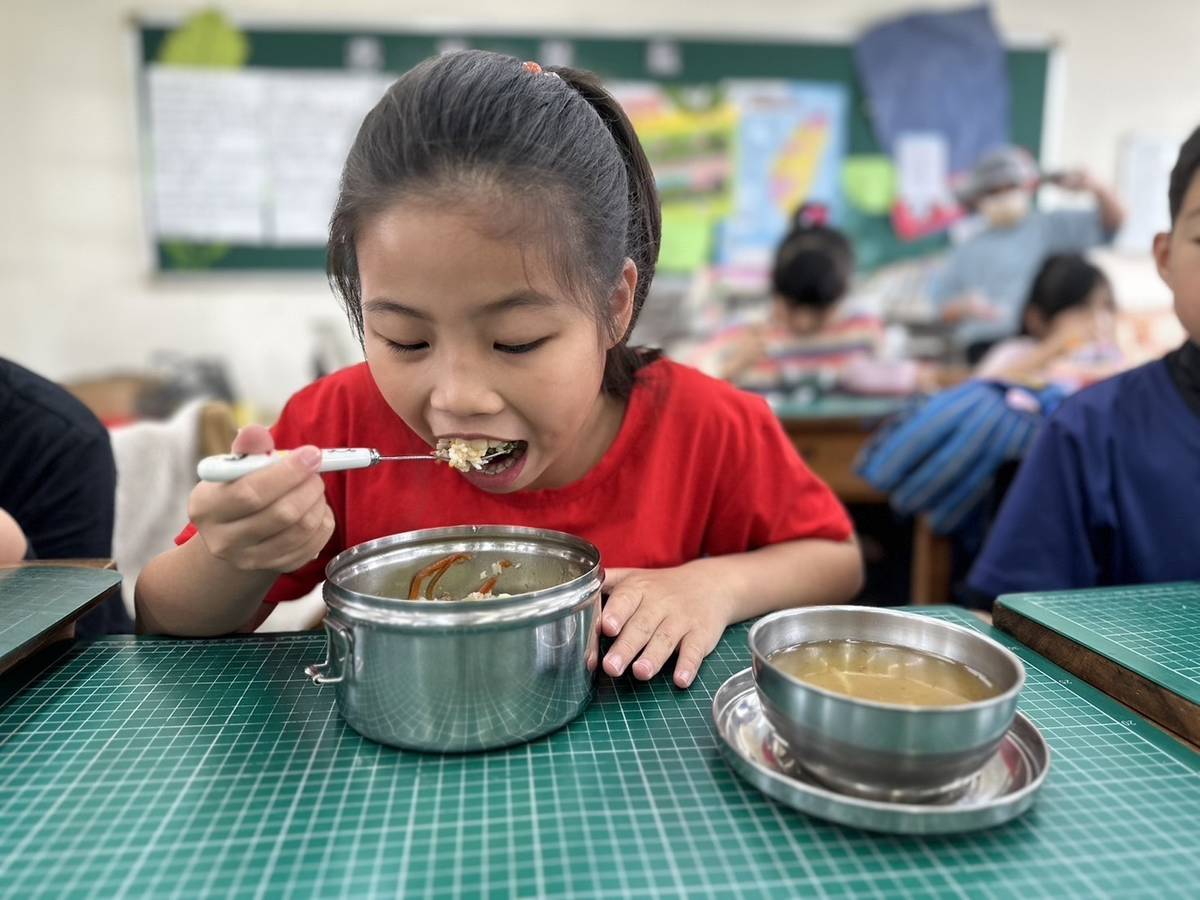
<point>76,293</point>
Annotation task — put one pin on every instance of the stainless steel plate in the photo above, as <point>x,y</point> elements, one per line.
<point>1003,789</point>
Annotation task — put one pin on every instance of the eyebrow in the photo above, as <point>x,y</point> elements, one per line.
<point>521,300</point>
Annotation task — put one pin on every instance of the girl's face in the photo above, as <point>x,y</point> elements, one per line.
<point>1093,320</point>
<point>798,320</point>
<point>468,335</point>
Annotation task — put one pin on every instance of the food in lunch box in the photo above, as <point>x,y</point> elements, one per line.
<point>883,673</point>
<point>424,584</point>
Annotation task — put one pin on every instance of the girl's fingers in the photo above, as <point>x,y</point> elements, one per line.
<point>614,577</point>
<point>622,603</point>
<point>253,439</point>
<point>275,550</point>
<point>633,637</point>
<point>276,520</point>
<point>692,650</point>
<point>254,493</point>
<point>660,646</point>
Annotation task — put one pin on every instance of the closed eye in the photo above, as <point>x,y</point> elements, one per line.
<point>521,348</point>
<point>406,348</point>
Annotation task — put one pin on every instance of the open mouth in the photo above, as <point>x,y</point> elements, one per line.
<point>503,457</point>
<point>488,456</point>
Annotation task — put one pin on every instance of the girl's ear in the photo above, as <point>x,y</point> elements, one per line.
<point>1162,255</point>
<point>620,304</point>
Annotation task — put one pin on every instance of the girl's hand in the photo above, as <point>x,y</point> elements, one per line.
<point>747,351</point>
<point>653,611</point>
<point>972,306</point>
<point>272,520</point>
<point>1075,180</point>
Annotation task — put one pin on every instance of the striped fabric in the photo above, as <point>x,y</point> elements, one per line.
<point>940,456</point>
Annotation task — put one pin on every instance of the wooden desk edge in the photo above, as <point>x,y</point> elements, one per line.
<point>63,563</point>
<point>65,629</point>
<point>1164,709</point>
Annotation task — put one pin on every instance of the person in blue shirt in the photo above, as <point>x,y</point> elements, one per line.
<point>1109,491</point>
<point>982,288</point>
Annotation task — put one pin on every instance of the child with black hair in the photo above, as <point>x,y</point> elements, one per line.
<point>1068,334</point>
<point>493,241</point>
<point>814,264</point>
<point>810,276</point>
<point>1108,494</point>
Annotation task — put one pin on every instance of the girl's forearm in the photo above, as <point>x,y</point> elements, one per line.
<point>189,592</point>
<point>796,573</point>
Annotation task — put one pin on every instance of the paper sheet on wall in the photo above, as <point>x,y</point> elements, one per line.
<point>248,156</point>
<point>1144,165</point>
<point>309,122</point>
<point>209,168</point>
<point>923,171</point>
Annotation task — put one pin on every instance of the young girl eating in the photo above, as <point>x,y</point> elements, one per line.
<point>493,242</point>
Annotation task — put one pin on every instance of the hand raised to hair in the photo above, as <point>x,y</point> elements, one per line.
<point>1075,180</point>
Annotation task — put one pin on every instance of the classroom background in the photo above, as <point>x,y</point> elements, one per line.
<point>831,205</point>
<point>149,288</point>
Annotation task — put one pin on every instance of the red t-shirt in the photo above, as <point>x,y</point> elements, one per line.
<point>697,469</point>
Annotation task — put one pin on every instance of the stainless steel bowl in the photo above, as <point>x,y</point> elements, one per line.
<point>881,750</point>
<point>467,674</point>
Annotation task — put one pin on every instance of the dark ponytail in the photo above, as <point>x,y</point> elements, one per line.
<point>1064,282</point>
<point>644,232</point>
<point>553,147</point>
<point>814,262</point>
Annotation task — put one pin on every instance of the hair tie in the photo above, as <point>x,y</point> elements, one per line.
<point>534,69</point>
<point>813,214</point>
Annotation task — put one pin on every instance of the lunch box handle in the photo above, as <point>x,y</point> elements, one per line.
<point>338,654</point>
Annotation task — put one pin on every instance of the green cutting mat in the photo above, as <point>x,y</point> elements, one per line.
<point>150,767</point>
<point>37,599</point>
<point>1153,630</point>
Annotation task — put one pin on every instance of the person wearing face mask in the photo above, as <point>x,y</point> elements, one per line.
<point>982,288</point>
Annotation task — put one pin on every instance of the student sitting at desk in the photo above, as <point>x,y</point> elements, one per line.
<point>1108,494</point>
<point>1068,333</point>
<point>494,240</point>
<point>57,483</point>
<point>987,278</point>
<point>808,335</point>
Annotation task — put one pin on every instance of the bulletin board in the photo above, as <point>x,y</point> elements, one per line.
<point>321,82</point>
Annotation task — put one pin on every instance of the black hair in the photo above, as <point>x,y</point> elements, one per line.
<point>1064,282</point>
<point>553,147</point>
<point>1185,170</point>
<point>814,262</point>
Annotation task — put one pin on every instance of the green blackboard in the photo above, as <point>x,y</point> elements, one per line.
<point>701,61</point>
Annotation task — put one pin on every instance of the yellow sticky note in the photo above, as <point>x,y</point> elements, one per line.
<point>869,183</point>
<point>206,38</point>
<point>687,233</point>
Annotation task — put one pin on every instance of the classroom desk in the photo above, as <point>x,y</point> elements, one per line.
<point>829,435</point>
<point>1138,644</point>
<point>39,613</point>
<point>142,766</point>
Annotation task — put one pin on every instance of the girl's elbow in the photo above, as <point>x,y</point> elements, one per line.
<point>852,574</point>
<point>143,601</point>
